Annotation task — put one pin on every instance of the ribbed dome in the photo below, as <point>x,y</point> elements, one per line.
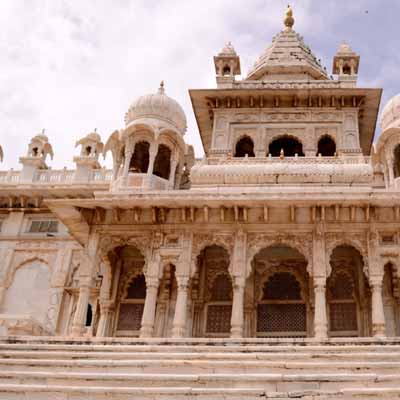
<point>391,114</point>
<point>158,106</point>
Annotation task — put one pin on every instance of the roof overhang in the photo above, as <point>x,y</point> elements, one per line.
<point>78,214</point>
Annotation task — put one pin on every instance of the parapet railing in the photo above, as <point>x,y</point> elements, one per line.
<point>63,176</point>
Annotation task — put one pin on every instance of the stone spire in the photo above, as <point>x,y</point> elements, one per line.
<point>287,58</point>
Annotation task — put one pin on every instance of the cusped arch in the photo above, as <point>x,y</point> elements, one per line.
<point>139,130</point>
<point>244,145</point>
<point>272,270</point>
<point>293,243</point>
<point>326,145</point>
<point>172,138</point>
<point>208,242</point>
<point>290,144</point>
<point>109,244</point>
<point>347,243</point>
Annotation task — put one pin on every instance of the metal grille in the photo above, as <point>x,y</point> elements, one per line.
<point>281,317</point>
<point>130,316</point>
<point>343,316</point>
<point>219,318</point>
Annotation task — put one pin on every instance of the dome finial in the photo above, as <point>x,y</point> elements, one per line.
<point>289,20</point>
<point>161,89</point>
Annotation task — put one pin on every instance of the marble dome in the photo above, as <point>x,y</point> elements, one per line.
<point>158,106</point>
<point>391,114</point>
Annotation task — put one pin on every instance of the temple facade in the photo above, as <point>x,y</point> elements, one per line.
<point>288,227</point>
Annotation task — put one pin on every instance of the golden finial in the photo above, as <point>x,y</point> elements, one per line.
<point>289,20</point>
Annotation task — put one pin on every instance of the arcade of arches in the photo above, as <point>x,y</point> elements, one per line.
<point>277,298</point>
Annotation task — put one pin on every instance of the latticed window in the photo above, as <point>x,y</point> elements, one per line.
<point>282,311</point>
<point>342,305</point>
<point>219,309</point>
<point>131,307</point>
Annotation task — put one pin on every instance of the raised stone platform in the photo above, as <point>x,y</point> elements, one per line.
<point>119,368</point>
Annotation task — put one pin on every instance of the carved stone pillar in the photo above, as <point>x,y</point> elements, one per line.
<point>78,325</point>
<point>128,156</point>
<point>152,157</point>
<point>149,311</point>
<point>378,316</point>
<point>390,163</point>
<point>174,163</point>
<point>104,322</point>
<point>320,318</point>
<point>179,323</point>
<point>237,320</point>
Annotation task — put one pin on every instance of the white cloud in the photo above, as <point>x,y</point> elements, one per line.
<point>72,66</point>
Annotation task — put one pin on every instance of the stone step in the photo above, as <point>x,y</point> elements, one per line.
<point>269,382</point>
<point>228,348</point>
<point>52,392</point>
<point>297,342</point>
<point>198,366</point>
<point>132,355</point>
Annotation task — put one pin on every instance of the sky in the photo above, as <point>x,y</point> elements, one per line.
<point>69,66</point>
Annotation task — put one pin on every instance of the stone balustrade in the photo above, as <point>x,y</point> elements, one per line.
<point>50,176</point>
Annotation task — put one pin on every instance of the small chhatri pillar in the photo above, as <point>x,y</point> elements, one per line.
<point>345,64</point>
<point>88,160</point>
<point>38,150</point>
<point>227,65</point>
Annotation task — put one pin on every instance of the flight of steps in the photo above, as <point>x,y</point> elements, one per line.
<point>37,368</point>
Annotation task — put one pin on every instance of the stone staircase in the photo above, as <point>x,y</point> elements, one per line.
<point>41,368</point>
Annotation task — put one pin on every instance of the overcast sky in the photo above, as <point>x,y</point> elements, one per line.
<point>70,66</point>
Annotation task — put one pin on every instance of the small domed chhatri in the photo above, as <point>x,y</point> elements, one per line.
<point>391,114</point>
<point>159,106</point>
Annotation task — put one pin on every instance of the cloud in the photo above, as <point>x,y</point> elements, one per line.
<point>72,66</point>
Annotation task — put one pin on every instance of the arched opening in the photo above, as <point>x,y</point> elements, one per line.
<point>88,150</point>
<point>390,305</point>
<point>35,151</point>
<point>396,163</point>
<point>128,263</point>
<point>326,146</point>
<point>89,315</point>
<point>211,294</point>
<point>288,144</point>
<point>140,159</point>
<point>162,162</point>
<point>348,294</point>
<point>278,290</point>
<point>346,69</point>
<point>244,147</point>
<point>226,70</point>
